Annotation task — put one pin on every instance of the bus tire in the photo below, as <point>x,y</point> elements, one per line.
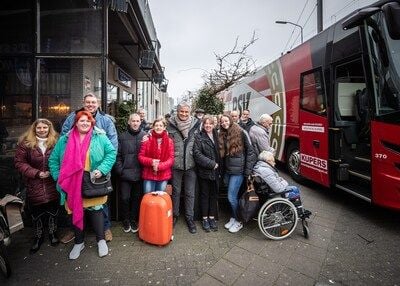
<point>293,161</point>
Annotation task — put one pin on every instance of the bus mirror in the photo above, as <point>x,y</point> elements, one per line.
<point>392,16</point>
<point>358,17</point>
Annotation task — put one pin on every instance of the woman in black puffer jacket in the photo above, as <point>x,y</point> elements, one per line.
<point>239,158</point>
<point>31,159</point>
<point>206,156</point>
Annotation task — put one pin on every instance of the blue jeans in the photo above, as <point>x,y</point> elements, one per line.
<point>152,186</point>
<point>106,215</point>
<point>234,182</point>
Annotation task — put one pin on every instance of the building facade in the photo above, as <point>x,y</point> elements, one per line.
<point>52,53</point>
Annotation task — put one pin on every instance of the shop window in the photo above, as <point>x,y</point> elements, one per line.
<point>126,96</point>
<point>70,27</point>
<point>16,27</point>
<point>62,85</point>
<point>112,99</point>
<point>312,96</point>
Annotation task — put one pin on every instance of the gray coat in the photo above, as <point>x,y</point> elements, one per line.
<point>259,136</point>
<point>270,175</point>
<point>183,151</point>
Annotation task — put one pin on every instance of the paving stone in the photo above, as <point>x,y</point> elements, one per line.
<point>207,280</point>
<point>225,271</point>
<point>291,277</point>
<point>239,256</point>
<point>305,266</point>
<point>265,268</point>
<point>250,279</point>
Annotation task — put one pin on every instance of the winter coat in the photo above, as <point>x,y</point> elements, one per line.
<point>164,172</point>
<point>241,163</point>
<point>30,162</point>
<point>183,147</point>
<point>103,121</point>
<point>246,126</point>
<point>127,165</point>
<point>206,155</point>
<point>102,155</point>
<point>259,136</point>
<point>270,175</point>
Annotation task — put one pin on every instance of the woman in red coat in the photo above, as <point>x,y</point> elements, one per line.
<point>31,159</point>
<point>157,158</point>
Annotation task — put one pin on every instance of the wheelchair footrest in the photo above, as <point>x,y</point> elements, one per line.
<point>305,214</point>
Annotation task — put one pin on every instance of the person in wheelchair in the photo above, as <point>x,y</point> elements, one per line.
<point>265,169</point>
<point>278,216</point>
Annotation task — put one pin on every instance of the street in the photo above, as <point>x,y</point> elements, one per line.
<point>350,243</point>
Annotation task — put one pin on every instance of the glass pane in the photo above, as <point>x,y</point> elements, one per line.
<point>126,96</point>
<point>16,27</point>
<point>70,27</point>
<point>63,83</point>
<point>15,114</point>
<point>112,99</point>
<point>312,93</point>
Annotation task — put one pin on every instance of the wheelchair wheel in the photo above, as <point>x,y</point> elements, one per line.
<point>277,218</point>
<point>5,267</point>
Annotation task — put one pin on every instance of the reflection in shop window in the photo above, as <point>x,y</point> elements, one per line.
<point>112,97</point>
<point>126,96</point>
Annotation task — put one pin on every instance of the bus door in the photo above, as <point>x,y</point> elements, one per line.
<point>313,128</point>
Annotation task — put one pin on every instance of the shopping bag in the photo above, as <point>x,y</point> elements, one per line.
<point>249,202</point>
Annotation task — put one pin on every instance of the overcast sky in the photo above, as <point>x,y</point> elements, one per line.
<point>191,31</point>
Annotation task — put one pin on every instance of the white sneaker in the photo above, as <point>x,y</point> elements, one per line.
<point>76,251</point>
<point>230,223</point>
<point>102,247</point>
<point>236,227</point>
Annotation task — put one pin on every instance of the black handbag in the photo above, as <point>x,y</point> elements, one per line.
<point>96,187</point>
<point>248,202</point>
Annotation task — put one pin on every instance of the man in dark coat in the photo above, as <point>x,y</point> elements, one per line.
<point>245,121</point>
<point>128,168</point>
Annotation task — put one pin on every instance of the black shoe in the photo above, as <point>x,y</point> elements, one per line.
<point>175,220</point>
<point>213,224</point>
<point>54,241</point>
<point>126,226</point>
<point>134,227</point>
<point>192,226</point>
<point>37,242</point>
<point>206,225</point>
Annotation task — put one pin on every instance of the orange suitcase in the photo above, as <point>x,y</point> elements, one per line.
<point>155,218</point>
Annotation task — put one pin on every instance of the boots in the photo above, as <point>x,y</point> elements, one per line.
<point>38,234</point>
<point>53,230</point>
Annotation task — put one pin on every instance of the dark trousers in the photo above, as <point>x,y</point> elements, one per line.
<point>208,197</point>
<point>131,193</point>
<point>43,212</point>
<point>97,221</point>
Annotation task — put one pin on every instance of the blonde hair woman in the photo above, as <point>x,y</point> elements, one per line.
<point>31,159</point>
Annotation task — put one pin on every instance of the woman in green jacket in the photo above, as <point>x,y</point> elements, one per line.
<point>84,148</point>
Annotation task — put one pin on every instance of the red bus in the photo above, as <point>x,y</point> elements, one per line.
<point>335,101</point>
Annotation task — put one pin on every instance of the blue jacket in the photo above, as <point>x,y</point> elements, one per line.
<point>101,152</point>
<point>103,121</point>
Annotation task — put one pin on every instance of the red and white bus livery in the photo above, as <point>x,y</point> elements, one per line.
<point>335,101</point>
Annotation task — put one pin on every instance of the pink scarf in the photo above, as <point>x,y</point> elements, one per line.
<point>71,173</point>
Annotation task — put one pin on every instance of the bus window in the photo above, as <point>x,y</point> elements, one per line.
<point>312,93</point>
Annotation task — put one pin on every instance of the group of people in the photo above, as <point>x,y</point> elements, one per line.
<point>182,150</point>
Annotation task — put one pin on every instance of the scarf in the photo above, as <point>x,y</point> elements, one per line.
<point>183,126</point>
<point>71,173</point>
<point>42,144</point>
<point>159,151</point>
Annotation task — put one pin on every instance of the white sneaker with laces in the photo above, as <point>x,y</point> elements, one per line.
<point>236,227</point>
<point>230,223</point>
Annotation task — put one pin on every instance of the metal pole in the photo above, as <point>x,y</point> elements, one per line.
<point>319,16</point>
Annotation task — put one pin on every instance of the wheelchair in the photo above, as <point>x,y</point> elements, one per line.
<point>279,212</point>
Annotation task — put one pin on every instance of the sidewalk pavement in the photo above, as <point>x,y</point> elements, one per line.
<point>350,243</point>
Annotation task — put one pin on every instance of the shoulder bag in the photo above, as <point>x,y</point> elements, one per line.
<point>96,187</point>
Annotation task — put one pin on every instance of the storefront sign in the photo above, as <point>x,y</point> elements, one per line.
<point>122,77</point>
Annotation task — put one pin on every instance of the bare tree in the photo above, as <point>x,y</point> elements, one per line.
<point>232,66</point>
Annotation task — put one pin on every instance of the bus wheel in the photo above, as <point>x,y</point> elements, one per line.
<point>293,161</point>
